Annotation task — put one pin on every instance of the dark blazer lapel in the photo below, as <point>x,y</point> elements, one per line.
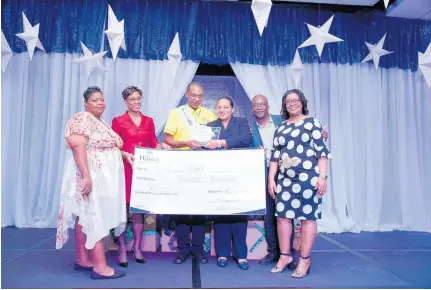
<point>231,121</point>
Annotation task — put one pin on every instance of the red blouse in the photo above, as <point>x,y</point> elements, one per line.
<point>143,135</point>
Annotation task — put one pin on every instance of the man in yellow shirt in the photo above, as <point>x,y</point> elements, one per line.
<point>178,135</point>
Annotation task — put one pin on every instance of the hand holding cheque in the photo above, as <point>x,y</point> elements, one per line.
<point>203,135</point>
<point>220,182</point>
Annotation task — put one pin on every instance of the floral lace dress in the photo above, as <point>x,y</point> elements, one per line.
<point>105,207</point>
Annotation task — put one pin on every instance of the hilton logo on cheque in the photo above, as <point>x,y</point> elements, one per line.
<point>148,158</point>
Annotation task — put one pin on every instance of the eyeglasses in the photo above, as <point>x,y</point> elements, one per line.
<point>196,96</point>
<point>133,100</point>
<point>293,102</point>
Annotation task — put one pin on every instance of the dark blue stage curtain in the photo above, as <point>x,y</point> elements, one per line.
<point>214,32</point>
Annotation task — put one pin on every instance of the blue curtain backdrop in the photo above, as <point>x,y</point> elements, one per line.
<point>214,32</point>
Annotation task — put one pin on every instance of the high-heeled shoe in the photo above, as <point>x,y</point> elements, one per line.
<point>123,264</point>
<point>298,274</point>
<point>280,270</point>
<point>140,261</point>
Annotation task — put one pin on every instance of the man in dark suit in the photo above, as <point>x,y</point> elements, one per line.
<point>263,134</point>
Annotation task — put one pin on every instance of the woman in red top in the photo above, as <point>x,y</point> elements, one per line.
<point>136,130</point>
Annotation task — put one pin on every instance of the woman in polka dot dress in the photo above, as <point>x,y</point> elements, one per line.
<point>300,159</point>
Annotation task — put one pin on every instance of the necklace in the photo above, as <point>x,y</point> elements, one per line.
<point>267,125</point>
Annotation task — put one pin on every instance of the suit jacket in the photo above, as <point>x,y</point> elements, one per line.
<point>143,135</point>
<point>257,139</point>
<point>237,133</point>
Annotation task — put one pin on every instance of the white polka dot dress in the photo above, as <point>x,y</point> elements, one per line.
<point>298,146</point>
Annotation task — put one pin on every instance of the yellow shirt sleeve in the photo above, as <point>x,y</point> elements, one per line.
<point>171,126</point>
<point>212,117</point>
<point>207,116</point>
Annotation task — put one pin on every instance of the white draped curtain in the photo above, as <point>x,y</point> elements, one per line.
<point>379,125</point>
<point>40,96</point>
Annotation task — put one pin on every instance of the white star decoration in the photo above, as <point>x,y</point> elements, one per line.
<point>376,51</point>
<point>90,60</point>
<point>30,36</point>
<point>296,68</point>
<point>174,55</point>
<point>6,53</point>
<point>261,10</point>
<point>425,64</point>
<point>115,33</point>
<point>386,3</point>
<point>320,36</point>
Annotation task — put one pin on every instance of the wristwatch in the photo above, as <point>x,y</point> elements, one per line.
<point>218,144</point>
<point>324,177</point>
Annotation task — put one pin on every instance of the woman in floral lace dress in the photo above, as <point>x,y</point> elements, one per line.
<point>92,193</point>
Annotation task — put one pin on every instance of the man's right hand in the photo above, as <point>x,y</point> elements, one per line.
<point>194,144</point>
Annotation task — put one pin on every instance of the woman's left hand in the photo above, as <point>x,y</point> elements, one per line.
<point>212,144</point>
<point>163,146</point>
<point>321,186</point>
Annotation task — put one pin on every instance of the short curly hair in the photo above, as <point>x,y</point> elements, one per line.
<point>301,97</point>
<point>131,90</point>
<point>91,90</point>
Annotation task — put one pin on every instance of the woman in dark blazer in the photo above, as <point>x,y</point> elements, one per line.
<point>235,133</point>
